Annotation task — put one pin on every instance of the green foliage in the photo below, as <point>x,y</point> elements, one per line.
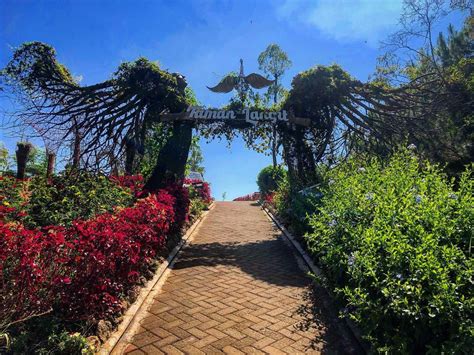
<point>195,158</point>
<point>191,98</point>
<point>273,61</point>
<point>35,68</point>
<point>145,79</point>
<point>155,138</point>
<point>69,197</point>
<point>13,192</point>
<point>37,162</point>
<point>46,335</point>
<point>456,46</point>
<point>4,159</point>
<point>196,204</point>
<point>317,90</point>
<point>269,178</point>
<point>294,205</point>
<point>442,126</point>
<point>395,240</point>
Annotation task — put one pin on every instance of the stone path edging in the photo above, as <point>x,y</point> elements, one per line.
<point>314,269</point>
<point>119,340</point>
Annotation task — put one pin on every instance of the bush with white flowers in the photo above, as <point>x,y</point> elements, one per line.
<point>395,241</point>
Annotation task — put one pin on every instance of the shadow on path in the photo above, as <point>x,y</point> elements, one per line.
<point>319,316</point>
<point>268,260</point>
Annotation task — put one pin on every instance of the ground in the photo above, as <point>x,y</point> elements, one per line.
<point>240,288</point>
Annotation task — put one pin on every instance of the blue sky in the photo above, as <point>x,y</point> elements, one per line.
<point>203,40</point>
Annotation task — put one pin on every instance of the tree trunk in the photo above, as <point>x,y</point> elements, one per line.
<point>274,136</point>
<point>171,162</point>
<point>130,153</point>
<point>51,161</point>
<point>22,154</point>
<point>274,147</point>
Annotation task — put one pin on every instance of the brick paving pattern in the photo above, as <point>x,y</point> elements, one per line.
<point>238,289</point>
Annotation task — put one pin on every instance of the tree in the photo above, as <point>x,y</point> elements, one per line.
<point>444,65</point>
<point>269,178</point>
<point>108,115</point>
<point>195,158</point>
<point>273,61</point>
<point>4,159</point>
<point>456,46</point>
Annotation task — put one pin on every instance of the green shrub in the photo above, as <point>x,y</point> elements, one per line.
<point>69,197</point>
<point>395,240</point>
<point>269,178</point>
<point>46,335</point>
<point>13,192</point>
<point>294,205</point>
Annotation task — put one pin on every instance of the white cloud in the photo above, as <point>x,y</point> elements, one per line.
<point>345,20</point>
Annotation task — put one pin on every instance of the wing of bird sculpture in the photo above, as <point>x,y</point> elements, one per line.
<point>226,84</point>
<point>257,81</point>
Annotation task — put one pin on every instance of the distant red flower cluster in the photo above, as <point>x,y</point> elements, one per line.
<point>134,182</point>
<point>268,198</point>
<point>250,197</point>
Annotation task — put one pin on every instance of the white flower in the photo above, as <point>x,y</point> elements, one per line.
<point>399,276</point>
<point>369,196</point>
<point>453,196</point>
<point>333,223</point>
<point>361,169</point>
<point>411,147</point>
<point>331,182</point>
<point>351,260</point>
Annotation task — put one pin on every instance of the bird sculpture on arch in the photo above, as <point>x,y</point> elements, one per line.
<point>241,82</point>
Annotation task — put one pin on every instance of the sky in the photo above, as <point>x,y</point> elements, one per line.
<point>203,40</point>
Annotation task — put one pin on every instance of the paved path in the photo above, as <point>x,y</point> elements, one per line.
<point>237,288</point>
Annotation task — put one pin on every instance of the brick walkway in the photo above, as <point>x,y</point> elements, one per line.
<point>237,289</point>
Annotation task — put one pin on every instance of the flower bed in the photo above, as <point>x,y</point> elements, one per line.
<point>87,270</point>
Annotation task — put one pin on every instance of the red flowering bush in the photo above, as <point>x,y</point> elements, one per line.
<point>180,206</point>
<point>83,270</point>
<point>26,273</point>
<point>269,199</point>
<point>134,182</point>
<point>202,189</point>
<point>111,252</point>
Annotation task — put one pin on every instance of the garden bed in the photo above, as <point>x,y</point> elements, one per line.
<point>393,239</point>
<point>79,277</point>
